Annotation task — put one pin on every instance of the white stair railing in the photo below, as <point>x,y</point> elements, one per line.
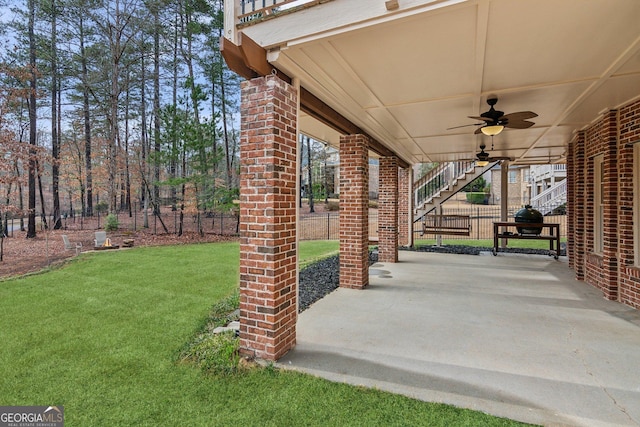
<point>550,198</point>
<point>441,178</point>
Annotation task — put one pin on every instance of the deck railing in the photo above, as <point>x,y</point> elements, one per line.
<point>251,10</point>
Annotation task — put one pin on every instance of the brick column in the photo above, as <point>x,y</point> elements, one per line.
<point>388,210</point>
<point>354,211</point>
<point>268,246</point>
<point>405,199</point>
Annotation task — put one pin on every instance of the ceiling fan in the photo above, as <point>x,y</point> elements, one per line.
<point>494,121</point>
<point>483,158</point>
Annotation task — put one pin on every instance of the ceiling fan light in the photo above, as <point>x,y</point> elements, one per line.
<point>492,130</point>
<point>482,163</point>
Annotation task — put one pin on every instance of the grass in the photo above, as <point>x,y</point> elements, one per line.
<point>314,250</point>
<point>102,337</point>
<point>488,243</point>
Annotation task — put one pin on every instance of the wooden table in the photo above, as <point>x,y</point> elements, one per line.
<point>553,235</point>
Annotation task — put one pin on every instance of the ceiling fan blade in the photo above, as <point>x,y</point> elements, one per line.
<point>522,124</point>
<point>464,126</point>
<point>520,115</point>
<point>478,131</point>
<point>484,119</point>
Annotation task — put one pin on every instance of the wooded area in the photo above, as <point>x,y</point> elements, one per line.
<point>108,106</point>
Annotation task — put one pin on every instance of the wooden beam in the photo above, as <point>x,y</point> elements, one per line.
<point>234,58</point>
<point>313,106</point>
<point>255,56</point>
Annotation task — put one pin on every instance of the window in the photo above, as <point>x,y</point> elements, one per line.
<point>598,203</point>
<point>513,177</point>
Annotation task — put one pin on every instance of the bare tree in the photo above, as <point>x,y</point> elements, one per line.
<point>33,84</point>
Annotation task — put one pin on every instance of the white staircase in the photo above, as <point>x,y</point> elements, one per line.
<point>550,198</point>
<point>437,186</point>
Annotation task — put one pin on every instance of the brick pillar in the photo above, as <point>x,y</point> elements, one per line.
<point>578,214</point>
<point>405,197</point>
<point>388,210</point>
<point>268,245</point>
<point>354,211</point>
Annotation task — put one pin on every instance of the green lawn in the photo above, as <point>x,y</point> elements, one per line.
<point>313,250</point>
<point>488,243</point>
<point>101,336</point>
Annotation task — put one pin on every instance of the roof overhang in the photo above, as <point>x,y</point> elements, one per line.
<point>405,76</point>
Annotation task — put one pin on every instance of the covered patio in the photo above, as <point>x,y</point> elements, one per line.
<point>514,336</point>
<point>409,82</point>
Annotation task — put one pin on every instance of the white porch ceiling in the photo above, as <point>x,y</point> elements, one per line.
<point>408,75</point>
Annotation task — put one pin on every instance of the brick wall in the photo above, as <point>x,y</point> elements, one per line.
<point>571,196</point>
<point>388,210</point>
<point>613,270</point>
<point>268,251</point>
<point>518,190</point>
<point>629,277</point>
<point>601,268</point>
<point>354,211</point>
<point>579,214</point>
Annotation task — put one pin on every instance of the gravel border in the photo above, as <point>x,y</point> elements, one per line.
<point>475,250</point>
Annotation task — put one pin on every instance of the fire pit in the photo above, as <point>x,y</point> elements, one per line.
<point>107,245</point>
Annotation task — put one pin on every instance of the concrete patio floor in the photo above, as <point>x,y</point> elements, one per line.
<point>513,336</point>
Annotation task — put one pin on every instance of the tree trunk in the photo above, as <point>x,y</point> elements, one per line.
<point>173,166</point>
<point>55,138</point>
<point>20,194</point>
<point>31,225</point>
<point>127,181</point>
<point>183,191</point>
<point>87,122</point>
<point>5,228</point>
<point>144,169</point>
<point>156,105</point>
<point>43,214</point>
<point>311,208</point>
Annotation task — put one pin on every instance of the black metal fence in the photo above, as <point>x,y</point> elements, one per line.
<point>320,226</point>
<point>166,221</point>
<point>326,226</point>
<point>481,220</point>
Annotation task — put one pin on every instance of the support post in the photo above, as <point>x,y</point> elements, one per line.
<point>405,207</point>
<point>268,238</point>
<point>388,210</point>
<point>354,211</point>
<point>504,192</point>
